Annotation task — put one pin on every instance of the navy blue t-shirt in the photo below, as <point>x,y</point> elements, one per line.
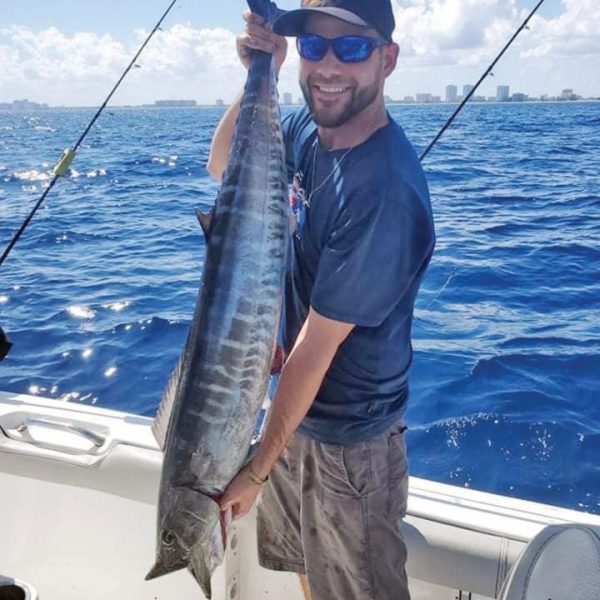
<point>363,238</point>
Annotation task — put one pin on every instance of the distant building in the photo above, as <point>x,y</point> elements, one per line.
<point>451,93</point>
<point>503,93</point>
<point>23,105</point>
<point>408,99</point>
<point>436,99</point>
<point>219,102</point>
<point>568,94</point>
<point>467,89</point>
<point>423,98</point>
<point>519,97</point>
<point>175,103</point>
<point>387,99</point>
<point>300,100</point>
<point>287,98</point>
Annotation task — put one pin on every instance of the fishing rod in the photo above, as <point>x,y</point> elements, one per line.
<point>487,72</point>
<point>69,154</point>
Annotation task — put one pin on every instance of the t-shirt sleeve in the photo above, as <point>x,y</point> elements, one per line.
<point>380,241</point>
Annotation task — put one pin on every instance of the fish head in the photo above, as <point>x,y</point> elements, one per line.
<point>189,526</point>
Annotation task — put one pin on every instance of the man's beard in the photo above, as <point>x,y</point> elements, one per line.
<point>359,100</point>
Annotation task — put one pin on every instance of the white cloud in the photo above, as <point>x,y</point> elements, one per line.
<point>51,55</point>
<point>450,32</point>
<point>183,50</point>
<point>573,33</point>
<point>473,31</point>
<point>179,62</point>
<point>452,41</point>
<point>442,41</point>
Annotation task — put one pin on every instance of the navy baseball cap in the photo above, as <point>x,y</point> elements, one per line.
<point>377,14</point>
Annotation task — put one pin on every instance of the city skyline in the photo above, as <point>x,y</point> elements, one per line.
<point>287,99</point>
<point>503,94</point>
<point>451,95</point>
<point>64,55</point>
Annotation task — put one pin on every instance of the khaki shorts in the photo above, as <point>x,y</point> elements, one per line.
<point>335,513</point>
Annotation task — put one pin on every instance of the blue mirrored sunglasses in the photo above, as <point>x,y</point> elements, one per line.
<point>347,49</point>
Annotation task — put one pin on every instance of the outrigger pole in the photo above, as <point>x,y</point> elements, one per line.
<point>487,72</point>
<point>68,155</point>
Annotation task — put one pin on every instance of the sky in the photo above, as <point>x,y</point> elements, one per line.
<point>69,53</point>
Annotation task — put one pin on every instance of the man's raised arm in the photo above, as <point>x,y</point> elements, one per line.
<point>255,37</point>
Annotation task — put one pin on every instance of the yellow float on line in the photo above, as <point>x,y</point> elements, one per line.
<point>64,163</point>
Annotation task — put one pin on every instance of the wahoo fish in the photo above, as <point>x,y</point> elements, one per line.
<point>209,408</point>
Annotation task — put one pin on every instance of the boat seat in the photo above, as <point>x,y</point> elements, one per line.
<point>562,562</point>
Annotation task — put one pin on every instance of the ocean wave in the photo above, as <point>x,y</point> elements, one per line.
<point>572,150</point>
<point>523,363</point>
<point>548,341</point>
<point>32,175</point>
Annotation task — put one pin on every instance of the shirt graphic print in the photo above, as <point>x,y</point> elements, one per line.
<point>298,203</point>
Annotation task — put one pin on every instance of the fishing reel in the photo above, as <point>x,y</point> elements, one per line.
<point>5,345</point>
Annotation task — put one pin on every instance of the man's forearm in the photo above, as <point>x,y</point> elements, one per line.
<point>222,140</point>
<point>301,378</point>
<point>299,383</point>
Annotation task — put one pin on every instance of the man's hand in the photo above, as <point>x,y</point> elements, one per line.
<point>259,36</point>
<point>240,495</point>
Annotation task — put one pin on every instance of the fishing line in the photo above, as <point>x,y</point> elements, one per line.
<point>69,154</point>
<point>481,79</point>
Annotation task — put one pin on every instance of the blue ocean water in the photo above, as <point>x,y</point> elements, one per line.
<point>98,295</point>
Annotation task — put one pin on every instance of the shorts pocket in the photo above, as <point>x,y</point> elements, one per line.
<point>397,473</point>
<point>346,470</point>
<point>397,459</point>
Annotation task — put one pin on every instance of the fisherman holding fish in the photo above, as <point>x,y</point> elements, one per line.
<point>333,455</point>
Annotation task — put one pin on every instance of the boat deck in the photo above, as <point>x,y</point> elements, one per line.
<point>78,504</point>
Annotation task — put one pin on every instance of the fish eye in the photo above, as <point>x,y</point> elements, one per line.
<point>167,538</point>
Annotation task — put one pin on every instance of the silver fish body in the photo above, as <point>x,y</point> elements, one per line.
<point>218,387</point>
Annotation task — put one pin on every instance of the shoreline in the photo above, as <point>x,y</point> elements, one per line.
<point>223,106</point>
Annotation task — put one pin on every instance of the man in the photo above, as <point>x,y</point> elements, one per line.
<point>333,450</point>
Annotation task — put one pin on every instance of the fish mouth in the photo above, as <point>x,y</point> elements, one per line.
<point>201,569</point>
<point>158,570</point>
<point>198,567</point>
<point>198,562</point>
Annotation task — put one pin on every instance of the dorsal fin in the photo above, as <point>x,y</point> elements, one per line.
<point>205,220</point>
<point>5,344</point>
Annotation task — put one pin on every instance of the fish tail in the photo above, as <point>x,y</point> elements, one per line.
<point>266,9</point>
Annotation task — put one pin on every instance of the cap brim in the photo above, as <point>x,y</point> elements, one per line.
<point>292,22</point>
